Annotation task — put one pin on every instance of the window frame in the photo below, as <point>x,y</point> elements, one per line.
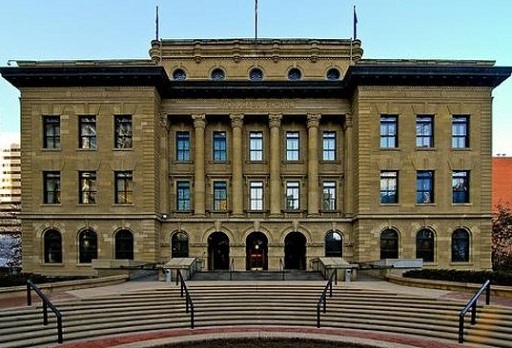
<point>256,196</point>
<point>292,147</point>
<point>292,197</point>
<point>124,251</point>
<point>460,246</point>
<point>460,122</point>
<point>386,186</point>
<point>256,146</point>
<point>329,204</point>
<point>220,195</point>
<point>52,238</point>
<point>182,146</point>
<point>183,196</point>
<point>87,246</point>
<point>388,131</point>
<point>123,131</point>
<point>123,187</point>
<point>329,145</point>
<point>424,177</point>
<point>52,196</point>
<point>219,146</point>
<point>87,132</point>
<point>333,247</point>
<point>461,186</point>
<point>51,132</point>
<point>429,249</point>
<point>87,189</point>
<point>424,131</point>
<point>389,244</point>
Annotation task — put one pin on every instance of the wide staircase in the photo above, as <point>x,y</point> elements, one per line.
<point>255,304</point>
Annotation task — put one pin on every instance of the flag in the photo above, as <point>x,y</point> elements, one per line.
<point>156,25</point>
<point>355,23</point>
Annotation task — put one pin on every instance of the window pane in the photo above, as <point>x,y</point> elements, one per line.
<point>388,131</point>
<point>460,246</point>
<point>333,244</point>
<point>424,131</point>
<point>51,136</point>
<point>256,146</point>
<point>292,146</point>
<point>389,245</point>
<point>87,189</point>
<point>183,196</point>
<point>87,132</point>
<point>219,146</point>
<point>460,132</point>
<point>329,196</point>
<point>425,245</point>
<point>51,182</point>
<point>88,243</point>
<point>123,131</point>
<point>220,196</point>
<point>329,142</point>
<point>182,146</point>
<point>389,187</point>
<point>425,187</point>
<point>124,187</point>
<point>256,195</point>
<point>292,195</point>
<point>460,187</point>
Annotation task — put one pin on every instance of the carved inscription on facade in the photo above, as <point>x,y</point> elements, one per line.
<point>248,104</point>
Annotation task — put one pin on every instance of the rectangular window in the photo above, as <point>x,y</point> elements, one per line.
<point>51,189</point>
<point>425,186</point>
<point>424,131</point>
<point>388,131</point>
<point>329,196</point>
<point>460,186</point>
<point>388,187</point>
<point>329,149</point>
<point>219,146</point>
<point>256,195</point>
<point>220,196</point>
<point>292,195</point>
<point>256,146</point>
<point>182,146</point>
<point>124,187</point>
<point>123,131</point>
<point>87,129</point>
<point>51,135</point>
<point>183,196</point>
<point>292,146</point>
<point>88,188</point>
<point>460,132</point>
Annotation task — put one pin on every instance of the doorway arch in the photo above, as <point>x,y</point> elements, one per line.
<point>218,251</point>
<point>295,251</point>
<point>256,251</point>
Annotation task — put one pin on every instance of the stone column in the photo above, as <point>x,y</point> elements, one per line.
<point>313,198</point>
<point>237,168</point>
<point>348,158</point>
<point>275,196</point>
<point>199,159</point>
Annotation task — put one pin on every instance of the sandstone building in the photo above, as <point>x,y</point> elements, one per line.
<point>255,155</point>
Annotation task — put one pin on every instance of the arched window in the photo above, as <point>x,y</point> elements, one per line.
<point>333,74</point>
<point>389,244</point>
<point>460,245</point>
<point>218,75</point>
<point>179,75</point>
<point>88,246</point>
<point>425,245</point>
<point>256,74</point>
<point>294,74</point>
<point>179,245</point>
<point>52,247</point>
<point>333,244</point>
<point>124,245</point>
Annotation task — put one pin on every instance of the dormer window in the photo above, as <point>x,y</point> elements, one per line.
<point>179,75</point>
<point>294,74</point>
<point>256,74</point>
<point>218,75</point>
<point>333,74</point>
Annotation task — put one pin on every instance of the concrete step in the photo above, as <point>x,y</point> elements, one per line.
<point>258,275</point>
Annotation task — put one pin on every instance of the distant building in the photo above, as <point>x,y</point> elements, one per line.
<point>255,156</point>
<point>501,181</point>
<point>10,187</point>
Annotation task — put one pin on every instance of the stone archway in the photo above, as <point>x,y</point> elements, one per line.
<point>295,251</point>
<point>256,251</point>
<point>218,251</point>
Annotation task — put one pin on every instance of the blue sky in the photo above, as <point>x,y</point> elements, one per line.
<point>105,29</point>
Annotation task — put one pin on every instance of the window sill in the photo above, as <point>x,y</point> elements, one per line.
<point>44,149</point>
<point>86,149</point>
<point>52,264</point>
<point>425,148</point>
<point>426,204</point>
<point>465,204</point>
<point>122,149</point>
<point>389,149</point>
<point>182,162</point>
<point>461,149</point>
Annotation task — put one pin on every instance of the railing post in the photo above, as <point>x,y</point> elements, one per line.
<point>191,314</point>
<point>473,313</point>
<point>461,328</point>
<point>45,313</point>
<point>29,294</point>
<point>488,294</point>
<point>318,315</point>
<point>60,339</point>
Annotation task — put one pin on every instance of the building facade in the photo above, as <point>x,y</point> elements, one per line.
<point>501,185</point>
<point>10,187</point>
<point>255,155</point>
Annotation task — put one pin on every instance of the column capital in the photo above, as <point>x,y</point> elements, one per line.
<point>237,120</point>
<point>199,120</point>
<point>274,120</point>
<point>314,120</point>
<point>348,121</point>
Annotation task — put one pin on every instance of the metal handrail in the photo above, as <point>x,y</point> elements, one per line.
<point>188,300</point>
<point>231,268</point>
<point>322,301</point>
<point>281,268</point>
<point>46,304</point>
<point>472,305</point>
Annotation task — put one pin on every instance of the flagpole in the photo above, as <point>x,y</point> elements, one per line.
<point>157,34</point>
<point>255,21</point>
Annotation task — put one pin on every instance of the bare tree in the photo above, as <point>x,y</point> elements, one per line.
<point>10,236</point>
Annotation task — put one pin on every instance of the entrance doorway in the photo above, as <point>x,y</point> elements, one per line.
<point>256,251</point>
<point>295,251</point>
<point>218,251</point>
